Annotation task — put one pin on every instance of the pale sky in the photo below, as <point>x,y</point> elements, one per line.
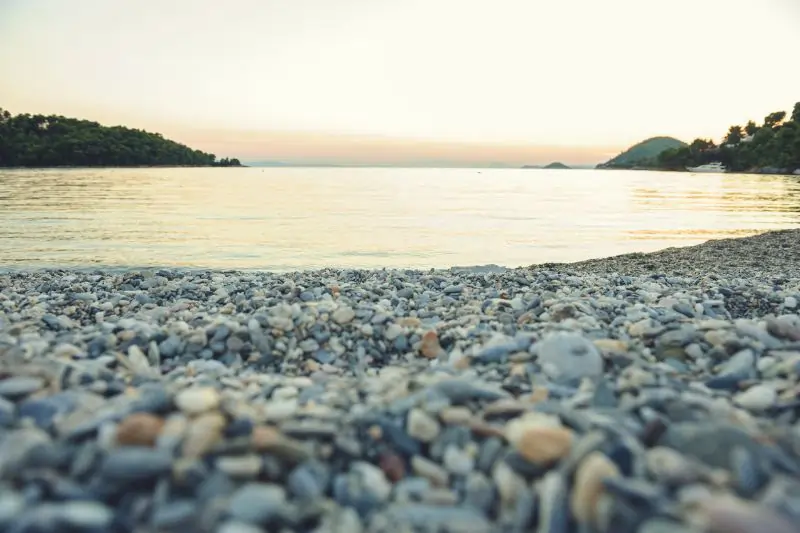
<point>273,77</point>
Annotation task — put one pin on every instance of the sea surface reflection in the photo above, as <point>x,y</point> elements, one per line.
<point>299,218</point>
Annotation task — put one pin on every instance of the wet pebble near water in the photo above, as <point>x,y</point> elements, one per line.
<point>527,400</point>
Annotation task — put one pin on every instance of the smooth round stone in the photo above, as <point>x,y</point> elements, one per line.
<point>545,445</point>
<point>569,356</point>
<point>422,426</point>
<point>197,400</point>
<point>85,515</point>
<point>203,433</point>
<point>285,393</point>
<point>240,467</point>
<point>18,387</point>
<point>343,315</point>
<point>372,479</point>
<point>392,332</point>
<point>257,503</point>
<point>757,398</point>
<point>139,429</point>
<point>306,484</point>
<point>429,470</point>
<point>131,464</point>
<point>458,461</point>
<point>588,486</point>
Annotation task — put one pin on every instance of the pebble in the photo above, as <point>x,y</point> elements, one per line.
<point>569,356</point>
<point>757,398</point>
<point>139,429</point>
<point>132,463</point>
<point>421,426</point>
<point>258,503</point>
<point>430,346</point>
<point>19,387</point>
<point>589,486</point>
<point>545,445</point>
<point>197,400</point>
<point>343,315</point>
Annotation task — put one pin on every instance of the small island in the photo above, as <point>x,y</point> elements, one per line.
<point>557,165</point>
<point>770,148</point>
<point>56,141</point>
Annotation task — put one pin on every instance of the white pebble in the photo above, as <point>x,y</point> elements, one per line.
<point>756,398</point>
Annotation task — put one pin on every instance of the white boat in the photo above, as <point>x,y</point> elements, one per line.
<point>710,167</point>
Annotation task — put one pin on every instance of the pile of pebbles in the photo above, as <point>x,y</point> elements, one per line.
<point>341,401</point>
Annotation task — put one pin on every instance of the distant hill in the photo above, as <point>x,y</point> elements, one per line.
<point>56,141</point>
<point>556,165</point>
<point>643,153</point>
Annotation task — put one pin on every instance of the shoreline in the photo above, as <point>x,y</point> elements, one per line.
<point>631,394</point>
<point>775,252</point>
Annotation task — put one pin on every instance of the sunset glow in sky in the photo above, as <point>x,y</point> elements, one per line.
<point>277,79</point>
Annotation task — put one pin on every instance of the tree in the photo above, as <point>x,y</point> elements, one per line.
<point>751,128</point>
<point>702,145</point>
<point>796,113</point>
<point>774,119</point>
<point>735,135</point>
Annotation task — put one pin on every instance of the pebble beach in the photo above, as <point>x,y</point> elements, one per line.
<point>646,393</point>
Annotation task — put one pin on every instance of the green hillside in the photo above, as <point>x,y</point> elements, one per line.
<point>55,141</point>
<point>770,148</point>
<point>557,165</point>
<point>643,153</point>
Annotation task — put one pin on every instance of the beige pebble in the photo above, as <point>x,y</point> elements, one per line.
<point>343,315</point>
<point>203,434</point>
<point>422,426</point>
<point>545,445</point>
<point>608,346</point>
<point>455,415</point>
<point>409,322</point>
<point>588,486</point>
<point>195,400</point>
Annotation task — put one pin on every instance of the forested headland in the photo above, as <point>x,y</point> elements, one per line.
<point>55,141</point>
<point>771,146</point>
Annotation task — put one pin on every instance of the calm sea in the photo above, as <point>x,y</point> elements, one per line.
<point>299,218</point>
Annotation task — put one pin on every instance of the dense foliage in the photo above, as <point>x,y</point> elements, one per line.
<point>774,146</point>
<point>50,141</point>
<point>643,153</point>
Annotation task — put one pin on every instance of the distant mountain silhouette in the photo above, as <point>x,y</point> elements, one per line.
<point>643,153</point>
<point>555,165</point>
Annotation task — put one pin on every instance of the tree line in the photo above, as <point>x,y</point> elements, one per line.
<point>773,146</point>
<point>53,140</point>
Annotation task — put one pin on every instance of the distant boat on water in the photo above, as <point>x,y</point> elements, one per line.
<point>709,167</point>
